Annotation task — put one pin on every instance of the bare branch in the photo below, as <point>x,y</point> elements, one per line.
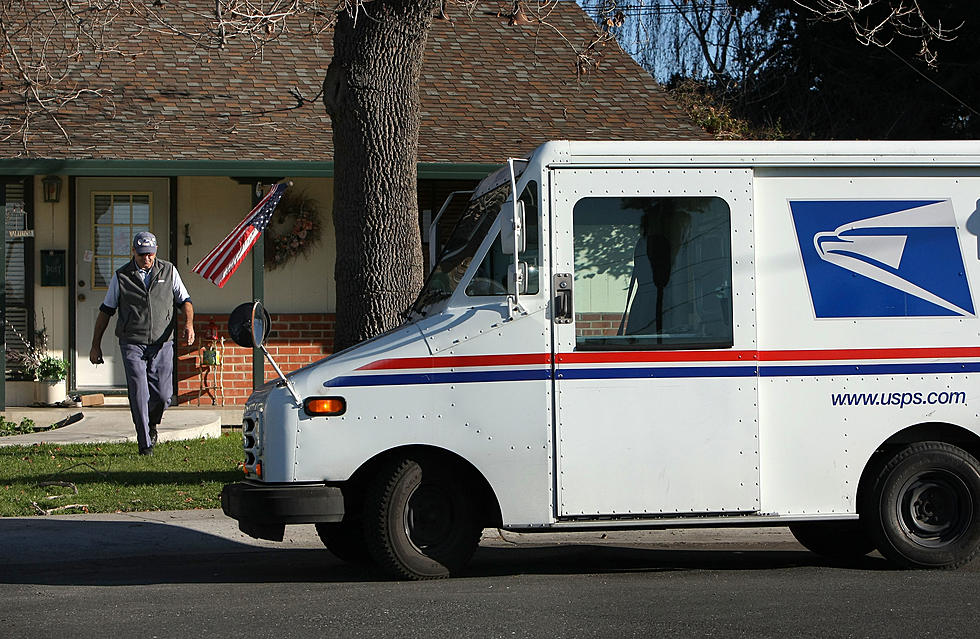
<point>256,22</point>
<point>51,49</point>
<point>879,22</point>
<point>588,56</point>
<point>43,43</point>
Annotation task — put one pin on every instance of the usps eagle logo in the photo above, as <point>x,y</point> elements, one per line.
<point>882,258</point>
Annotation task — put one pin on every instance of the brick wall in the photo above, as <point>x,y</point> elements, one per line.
<point>596,324</point>
<point>295,340</point>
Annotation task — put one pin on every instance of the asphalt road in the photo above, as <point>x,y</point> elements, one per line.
<point>172,581</point>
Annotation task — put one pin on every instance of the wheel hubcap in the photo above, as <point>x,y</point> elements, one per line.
<point>934,508</point>
<point>429,516</point>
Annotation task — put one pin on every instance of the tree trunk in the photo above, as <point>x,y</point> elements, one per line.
<point>371,93</point>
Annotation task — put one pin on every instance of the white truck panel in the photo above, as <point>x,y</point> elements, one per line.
<point>813,452</point>
<point>637,434</point>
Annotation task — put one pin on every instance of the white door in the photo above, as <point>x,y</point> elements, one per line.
<point>656,376</point>
<point>109,212</point>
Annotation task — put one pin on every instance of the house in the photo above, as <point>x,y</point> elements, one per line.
<point>182,140</point>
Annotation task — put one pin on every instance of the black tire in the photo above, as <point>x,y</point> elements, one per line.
<point>923,507</point>
<point>419,521</point>
<point>346,541</point>
<point>839,540</point>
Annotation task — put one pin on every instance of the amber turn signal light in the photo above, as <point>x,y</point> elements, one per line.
<point>325,406</point>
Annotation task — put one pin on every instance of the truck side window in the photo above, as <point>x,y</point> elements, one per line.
<point>652,273</point>
<point>491,277</point>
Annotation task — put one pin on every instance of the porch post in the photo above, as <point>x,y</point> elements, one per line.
<point>258,288</point>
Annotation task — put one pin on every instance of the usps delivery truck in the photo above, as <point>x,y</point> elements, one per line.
<point>654,335</point>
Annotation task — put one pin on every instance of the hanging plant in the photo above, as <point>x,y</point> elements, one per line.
<point>294,230</point>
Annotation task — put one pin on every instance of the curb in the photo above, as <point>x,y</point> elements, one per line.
<point>117,427</point>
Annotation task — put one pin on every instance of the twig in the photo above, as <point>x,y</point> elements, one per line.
<point>103,473</point>
<point>66,484</point>
<point>42,511</point>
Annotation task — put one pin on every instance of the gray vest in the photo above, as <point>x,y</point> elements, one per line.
<point>145,313</point>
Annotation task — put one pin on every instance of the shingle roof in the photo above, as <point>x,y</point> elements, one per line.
<point>489,91</point>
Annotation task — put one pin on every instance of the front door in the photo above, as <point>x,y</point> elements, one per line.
<point>656,377</point>
<point>109,212</point>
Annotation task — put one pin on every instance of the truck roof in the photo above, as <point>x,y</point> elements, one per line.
<point>932,153</point>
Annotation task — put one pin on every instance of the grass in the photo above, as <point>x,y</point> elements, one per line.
<point>112,478</point>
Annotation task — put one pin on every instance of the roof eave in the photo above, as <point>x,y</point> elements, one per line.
<point>236,168</point>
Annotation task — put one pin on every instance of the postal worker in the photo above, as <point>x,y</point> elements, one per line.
<point>145,291</point>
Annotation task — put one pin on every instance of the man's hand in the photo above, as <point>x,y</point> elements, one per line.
<point>95,355</point>
<point>188,335</point>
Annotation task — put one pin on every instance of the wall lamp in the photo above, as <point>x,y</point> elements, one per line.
<point>51,188</point>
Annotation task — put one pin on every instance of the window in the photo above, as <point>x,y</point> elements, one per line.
<point>117,217</point>
<point>652,273</point>
<point>491,277</point>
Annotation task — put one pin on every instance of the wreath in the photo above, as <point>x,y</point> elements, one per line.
<point>294,230</point>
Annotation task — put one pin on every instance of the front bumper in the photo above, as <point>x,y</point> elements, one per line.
<point>263,510</point>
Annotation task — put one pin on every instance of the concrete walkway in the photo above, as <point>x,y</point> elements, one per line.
<point>110,424</point>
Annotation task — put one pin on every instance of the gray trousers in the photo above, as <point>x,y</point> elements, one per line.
<point>149,378</point>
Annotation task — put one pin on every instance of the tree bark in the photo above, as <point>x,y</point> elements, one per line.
<point>371,93</point>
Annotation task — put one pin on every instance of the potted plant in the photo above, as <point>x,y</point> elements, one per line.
<point>49,380</point>
<point>47,371</point>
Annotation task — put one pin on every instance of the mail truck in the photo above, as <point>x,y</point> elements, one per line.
<point>650,335</point>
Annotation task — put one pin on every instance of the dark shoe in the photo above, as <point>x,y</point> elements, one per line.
<point>153,436</point>
<point>146,451</point>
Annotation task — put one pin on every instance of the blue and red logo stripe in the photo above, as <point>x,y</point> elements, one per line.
<point>662,364</point>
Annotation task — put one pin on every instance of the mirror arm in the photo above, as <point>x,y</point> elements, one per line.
<point>289,385</point>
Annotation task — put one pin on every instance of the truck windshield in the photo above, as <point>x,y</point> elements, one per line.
<point>465,239</point>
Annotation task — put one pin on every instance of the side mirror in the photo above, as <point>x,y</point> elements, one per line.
<point>249,324</point>
<point>511,226</point>
<point>517,278</point>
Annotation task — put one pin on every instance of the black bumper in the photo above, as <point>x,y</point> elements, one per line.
<point>263,510</point>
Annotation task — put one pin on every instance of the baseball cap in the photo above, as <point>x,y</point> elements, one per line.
<point>144,242</point>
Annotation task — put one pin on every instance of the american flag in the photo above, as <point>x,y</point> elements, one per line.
<point>224,259</point>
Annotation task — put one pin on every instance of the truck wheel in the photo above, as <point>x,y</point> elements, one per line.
<point>840,540</point>
<point>346,541</point>
<point>923,508</point>
<point>419,522</point>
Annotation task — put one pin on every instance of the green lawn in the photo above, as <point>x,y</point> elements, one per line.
<point>113,478</point>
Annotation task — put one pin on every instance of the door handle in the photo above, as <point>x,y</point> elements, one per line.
<point>563,298</point>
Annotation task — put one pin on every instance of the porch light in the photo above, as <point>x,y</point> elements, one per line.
<point>51,187</point>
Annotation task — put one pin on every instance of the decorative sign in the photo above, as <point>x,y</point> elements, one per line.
<point>14,210</point>
<point>16,220</point>
<point>53,267</point>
